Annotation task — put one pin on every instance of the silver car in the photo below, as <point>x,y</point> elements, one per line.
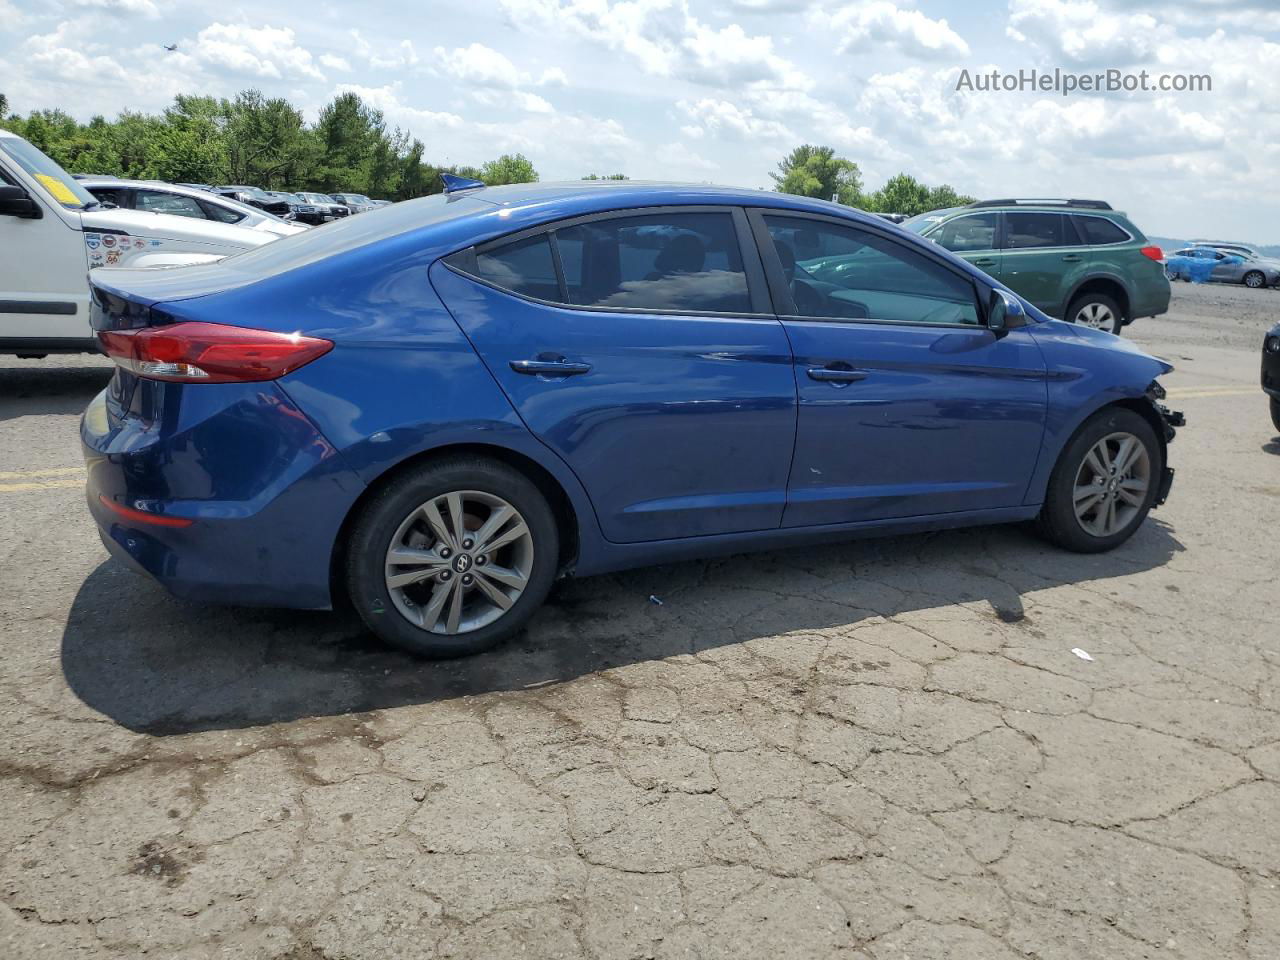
<point>1201,264</point>
<point>155,196</point>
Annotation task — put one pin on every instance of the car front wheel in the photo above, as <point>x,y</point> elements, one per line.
<point>1104,483</point>
<point>452,558</point>
<point>1254,280</point>
<point>1098,311</point>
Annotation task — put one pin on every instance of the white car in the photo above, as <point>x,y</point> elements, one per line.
<point>153,196</point>
<point>53,232</point>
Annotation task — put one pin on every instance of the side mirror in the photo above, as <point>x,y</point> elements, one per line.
<point>1005,311</point>
<point>14,202</point>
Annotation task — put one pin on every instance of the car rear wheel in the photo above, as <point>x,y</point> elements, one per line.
<point>1098,311</point>
<point>1104,483</point>
<point>1255,280</point>
<point>1275,413</point>
<point>452,558</point>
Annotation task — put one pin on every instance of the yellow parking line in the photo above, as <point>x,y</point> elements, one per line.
<point>1199,393</point>
<point>55,484</point>
<point>52,479</point>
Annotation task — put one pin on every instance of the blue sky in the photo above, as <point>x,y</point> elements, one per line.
<point>719,91</point>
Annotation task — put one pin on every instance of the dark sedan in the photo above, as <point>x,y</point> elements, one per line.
<point>257,197</point>
<point>304,211</point>
<point>1271,372</point>
<point>332,208</point>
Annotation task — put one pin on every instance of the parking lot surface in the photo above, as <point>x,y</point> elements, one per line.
<point>880,749</point>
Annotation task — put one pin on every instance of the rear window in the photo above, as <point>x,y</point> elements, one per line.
<point>1099,231</point>
<point>661,262</point>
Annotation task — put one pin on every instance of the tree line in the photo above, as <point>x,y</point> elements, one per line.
<point>264,141</point>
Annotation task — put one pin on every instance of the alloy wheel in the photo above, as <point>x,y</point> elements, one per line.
<point>459,562</point>
<point>1253,280</point>
<point>1111,484</point>
<point>1096,315</point>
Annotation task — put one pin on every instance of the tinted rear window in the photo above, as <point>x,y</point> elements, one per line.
<point>1098,230</point>
<point>660,262</point>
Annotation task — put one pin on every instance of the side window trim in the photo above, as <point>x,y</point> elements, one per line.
<point>784,306</point>
<point>464,261</point>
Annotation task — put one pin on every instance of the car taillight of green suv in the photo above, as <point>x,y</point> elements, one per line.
<point>1078,260</point>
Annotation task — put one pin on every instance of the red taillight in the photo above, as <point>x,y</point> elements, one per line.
<point>139,516</point>
<point>1153,253</point>
<point>210,352</point>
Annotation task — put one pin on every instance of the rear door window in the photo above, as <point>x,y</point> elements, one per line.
<point>660,262</point>
<point>1025,231</point>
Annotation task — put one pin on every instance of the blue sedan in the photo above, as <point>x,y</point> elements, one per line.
<point>438,408</point>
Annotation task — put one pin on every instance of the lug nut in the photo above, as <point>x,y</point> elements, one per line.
<point>445,575</point>
<point>481,560</point>
<point>468,544</point>
<point>445,553</point>
<point>466,579</point>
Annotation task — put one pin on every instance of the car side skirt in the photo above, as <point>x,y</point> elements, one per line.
<point>606,557</point>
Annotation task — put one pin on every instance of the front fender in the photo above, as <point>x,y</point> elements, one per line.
<point>1087,370</point>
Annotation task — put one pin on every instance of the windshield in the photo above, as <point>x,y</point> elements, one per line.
<point>923,221</point>
<point>61,185</point>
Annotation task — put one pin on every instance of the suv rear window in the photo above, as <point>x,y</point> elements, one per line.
<point>1099,231</point>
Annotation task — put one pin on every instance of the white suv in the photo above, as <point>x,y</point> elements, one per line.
<point>53,232</point>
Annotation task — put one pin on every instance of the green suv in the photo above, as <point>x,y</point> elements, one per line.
<point>1075,259</point>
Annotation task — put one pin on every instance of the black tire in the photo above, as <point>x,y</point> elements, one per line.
<point>1254,280</point>
<point>1057,521</point>
<point>381,517</point>
<point>1101,301</point>
<point>1275,413</point>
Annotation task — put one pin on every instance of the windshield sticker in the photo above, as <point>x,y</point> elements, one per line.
<point>61,192</point>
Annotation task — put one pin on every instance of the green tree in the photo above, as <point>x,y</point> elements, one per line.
<point>812,171</point>
<point>348,134</point>
<point>946,196</point>
<point>607,176</point>
<point>509,168</point>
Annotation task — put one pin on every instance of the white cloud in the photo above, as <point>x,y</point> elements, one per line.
<point>1083,32</point>
<point>145,8</point>
<point>333,62</point>
<point>264,51</point>
<point>720,118</point>
<point>666,39</point>
<point>492,79</point>
<point>885,24</point>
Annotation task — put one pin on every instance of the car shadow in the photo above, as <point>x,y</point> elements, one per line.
<point>163,666</point>
<point>35,388</point>
<point>1272,446</point>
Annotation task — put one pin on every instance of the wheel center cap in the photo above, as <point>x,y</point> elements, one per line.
<point>462,562</point>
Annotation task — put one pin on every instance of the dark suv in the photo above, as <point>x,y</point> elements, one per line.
<point>1075,259</point>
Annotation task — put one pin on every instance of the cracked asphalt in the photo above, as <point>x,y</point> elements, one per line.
<point>877,750</point>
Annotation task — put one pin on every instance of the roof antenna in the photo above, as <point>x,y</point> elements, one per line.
<point>454,183</point>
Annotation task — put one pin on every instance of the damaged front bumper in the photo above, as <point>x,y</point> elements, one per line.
<point>1171,420</point>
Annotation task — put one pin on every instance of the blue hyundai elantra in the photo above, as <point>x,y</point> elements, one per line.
<point>438,408</point>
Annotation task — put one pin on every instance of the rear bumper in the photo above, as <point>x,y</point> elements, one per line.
<point>248,497</point>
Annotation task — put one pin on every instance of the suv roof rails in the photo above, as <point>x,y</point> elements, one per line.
<point>1015,202</point>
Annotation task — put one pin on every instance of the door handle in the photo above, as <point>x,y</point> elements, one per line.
<point>984,262</point>
<point>836,374</point>
<point>550,368</point>
<point>1072,258</point>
